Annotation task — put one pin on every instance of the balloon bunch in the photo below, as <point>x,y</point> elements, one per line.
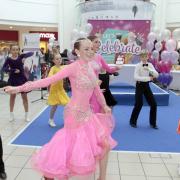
<point>51,43</point>
<point>76,34</point>
<point>162,48</point>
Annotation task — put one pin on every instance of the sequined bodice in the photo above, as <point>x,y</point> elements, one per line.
<point>85,77</point>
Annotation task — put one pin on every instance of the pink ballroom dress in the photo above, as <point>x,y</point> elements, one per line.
<point>76,148</point>
<point>98,63</point>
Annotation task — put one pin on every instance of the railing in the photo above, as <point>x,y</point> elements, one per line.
<point>98,5</point>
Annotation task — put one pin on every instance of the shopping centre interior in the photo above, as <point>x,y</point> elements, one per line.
<point>152,154</point>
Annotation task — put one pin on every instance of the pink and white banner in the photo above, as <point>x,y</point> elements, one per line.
<point>123,38</point>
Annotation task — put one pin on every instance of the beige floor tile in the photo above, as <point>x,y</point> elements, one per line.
<point>155,155</point>
<point>173,169</point>
<point>146,158</point>
<point>113,168</point>
<point>28,164</point>
<point>174,159</point>
<point>113,157</point>
<point>128,157</point>
<point>133,177</point>
<point>23,151</point>
<point>90,177</point>
<point>156,170</point>
<point>12,172</point>
<point>29,174</point>
<point>165,156</point>
<point>16,161</point>
<point>132,169</point>
<point>109,177</point>
<point>159,178</point>
<point>8,149</point>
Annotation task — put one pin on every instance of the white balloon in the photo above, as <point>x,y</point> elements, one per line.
<point>51,40</point>
<point>176,34</point>
<point>149,46</point>
<point>174,57</point>
<point>152,37</point>
<point>155,54</point>
<point>50,46</point>
<point>88,28</point>
<point>83,34</point>
<point>171,45</point>
<point>165,34</point>
<point>158,46</point>
<point>75,34</point>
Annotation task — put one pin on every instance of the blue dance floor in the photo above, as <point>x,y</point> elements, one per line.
<point>141,139</point>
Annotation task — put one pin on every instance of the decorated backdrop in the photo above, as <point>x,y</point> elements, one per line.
<point>121,37</point>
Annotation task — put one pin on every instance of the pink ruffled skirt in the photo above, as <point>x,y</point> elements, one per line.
<point>75,151</point>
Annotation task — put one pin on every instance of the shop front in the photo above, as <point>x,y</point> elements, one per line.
<point>8,38</point>
<point>44,38</point>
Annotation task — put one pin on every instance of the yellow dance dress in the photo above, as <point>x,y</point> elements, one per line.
<point>57,94</point>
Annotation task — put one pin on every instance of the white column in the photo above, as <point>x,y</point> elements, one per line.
<point>67,21</point>
<point>160,13</point>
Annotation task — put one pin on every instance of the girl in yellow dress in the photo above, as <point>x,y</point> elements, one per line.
<point>57,94</point>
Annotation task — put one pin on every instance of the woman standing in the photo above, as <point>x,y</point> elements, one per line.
<point>99,65</point>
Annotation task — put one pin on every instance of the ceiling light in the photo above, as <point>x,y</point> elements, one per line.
<point>10,27</point>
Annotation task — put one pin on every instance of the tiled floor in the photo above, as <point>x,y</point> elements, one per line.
<point>121,166</point>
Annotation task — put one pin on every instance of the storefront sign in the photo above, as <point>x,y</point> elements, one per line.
<point>47,35</point>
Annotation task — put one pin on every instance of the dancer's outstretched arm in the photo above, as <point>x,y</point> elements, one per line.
<point>66,72</point>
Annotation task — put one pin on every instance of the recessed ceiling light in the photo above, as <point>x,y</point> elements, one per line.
<point>44,28</point>
<point>10,27</point>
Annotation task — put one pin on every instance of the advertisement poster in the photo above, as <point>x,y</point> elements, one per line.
<point>121,38</point>
<point>32,69</point>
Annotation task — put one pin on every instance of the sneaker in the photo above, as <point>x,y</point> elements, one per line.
<point>51,123</point>
<point>11,117</point>
<point>3,175</point>
<point>27,117</point>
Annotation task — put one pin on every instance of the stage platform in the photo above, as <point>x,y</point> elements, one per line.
<point>125,94</point>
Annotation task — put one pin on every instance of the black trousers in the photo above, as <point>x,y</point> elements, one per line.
<point>110,100</point>
<point>1,157</point>
<point>142,88</point>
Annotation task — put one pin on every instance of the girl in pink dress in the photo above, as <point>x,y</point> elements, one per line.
<point>86,137</point>
<point>98,63</point>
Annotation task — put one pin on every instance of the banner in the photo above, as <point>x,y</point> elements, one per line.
<point>121,38</point>
<point>32,69</point>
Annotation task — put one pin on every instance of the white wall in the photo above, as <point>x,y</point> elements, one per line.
<point>29,11</point>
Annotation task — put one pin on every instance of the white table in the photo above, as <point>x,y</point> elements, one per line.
<point>126,75</point>
<point>175,84</point>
